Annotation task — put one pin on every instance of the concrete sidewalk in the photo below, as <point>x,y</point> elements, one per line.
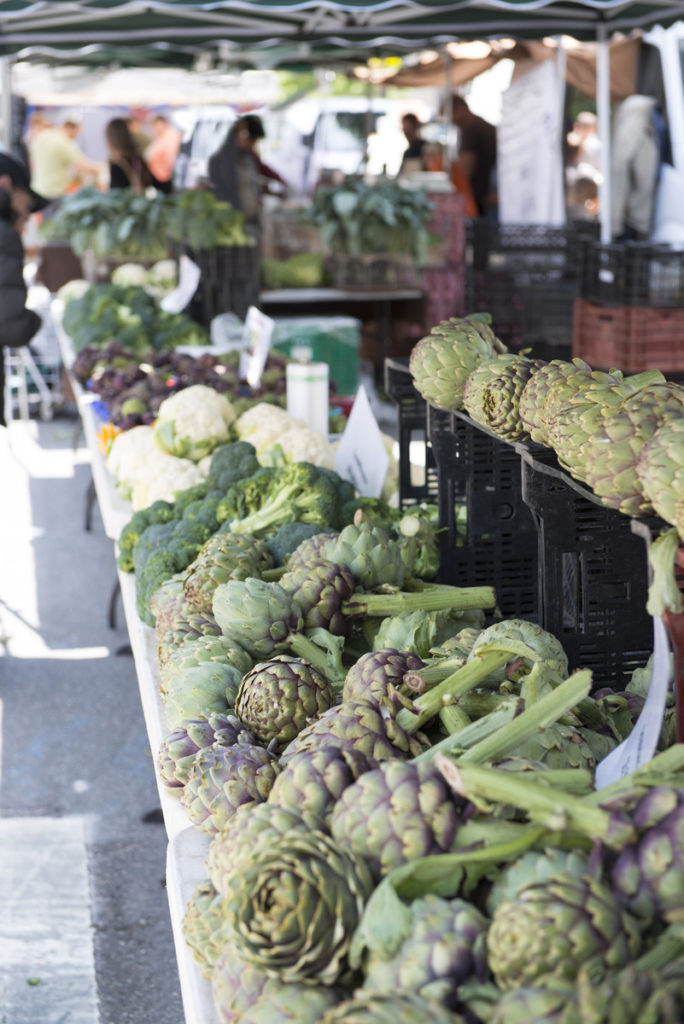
<point>85,936</point>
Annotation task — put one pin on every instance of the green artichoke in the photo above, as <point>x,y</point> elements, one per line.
<point>256,615</point>
<point>370,554</point>
<point>561,746</point>
<point>277,698</point>
<point>290,1004</point>
<point>446,947</point>
<point>235,984</point>
<point>534,866</point>
<point>314,780</point>
<point>320,590</point>
<point>225,556</point>
<point>357,725</point>
<point>442,362</point>
<point>250,826</point>
<point>388,1008</point>
<point>311,550</point>
<point>649,874</point>
<point>420,631</point>
<point>527,643</point>
<point>396,813</point>
<point>200,650</point>
<point>184,626</point>
<point>492,393</point>
<point>378,675</point>
<point>660,465</point>
<point>556,926</point>
<point>177,750</point>
<point>557,385</point>
<point>204,926</point>
<point>224,778</point>
<point>206,688</point>
<point>534,1006</point>
<point>294,906</point>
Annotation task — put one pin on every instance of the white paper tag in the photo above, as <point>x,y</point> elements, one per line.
<point>258,330</point>
<point>361,454</point>
<point>188,278</point>
<point>640,745</point>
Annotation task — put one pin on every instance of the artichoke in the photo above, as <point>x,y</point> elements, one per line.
<point>246,830</point>
<point>294,906</point>
<point>225,556</point>
<point>200,650</point>
<point>446,947</point>
<point>290,1004</point>
<point>183,627</point>
<point>396,813</point>
<point>556,926</point>
<point>388,1008</point>
<point>378,675</point>
<point>320,590</point>
<point>559,384</point>
<point>527,644</point>
<point>177,750</point>
<point>441,362</point>
<point>492,393</point>
<point>420,631</point>
<point>256,615</point>
<point>314,780</point>
<point>649,874</point>
<point>533,1006</point>
<point>210,687</point>
<point>235,984</point>
<point>204,926</point>
<point>357,725</point>
<point>371,555</point>
<point>660,465</point>
<point>224,778</point>
<point>534,866</point>
<point>277,698</point>
<point>310,550</point>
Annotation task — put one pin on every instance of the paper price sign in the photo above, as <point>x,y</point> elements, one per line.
<point>188,278</point>
<point>258,331</point>
<point>641,744</point>
<point>361,455</point>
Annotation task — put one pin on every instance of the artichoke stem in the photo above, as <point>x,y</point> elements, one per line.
<point>439,671</point>
<point>474,732</point>
<point>539,715</point>
<point>553,808</point>
<point>453,718</point>
<point>660,770</point>
<point>273,575</point>
<point>311,652</point>
<point>458,598</point>
<point>458,683</point>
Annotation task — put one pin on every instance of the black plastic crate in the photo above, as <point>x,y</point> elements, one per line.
<point>416,483</point>
<point>534,252</point>
<point>229,281</point>
<point>593,573</point>
<point>631,274</point>
<point>500,548</point>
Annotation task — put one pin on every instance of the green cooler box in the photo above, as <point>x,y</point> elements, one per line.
<point>334,340</point>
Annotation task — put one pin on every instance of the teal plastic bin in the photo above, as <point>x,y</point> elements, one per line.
<point>334,340</point>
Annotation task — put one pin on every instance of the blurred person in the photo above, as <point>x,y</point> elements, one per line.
<point>476,155</point>
<point>413,158</point>
<point>18,324</point>
<point>127,166</point>
<point>56,160</point>
<point>634,168</point>
<point>256,132</point>
<point>162,152</point>
<point>234,175</point>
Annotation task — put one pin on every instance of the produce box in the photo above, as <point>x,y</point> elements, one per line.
<point>593,574</point>
<point>632,338</point>
<point>418,479</point>
<point>229,282</point>
<point>631,274</point>
<point>475,467</point>
<point>333,340</point>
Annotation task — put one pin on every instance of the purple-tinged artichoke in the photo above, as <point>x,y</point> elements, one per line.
<point>177,751</point>
<point>371,555</point>
<point>204,926</point>
<point>225,778</point>
<point>320,590</point>
<point>314,780</point>
<point>379,674</point>
<point>310,551</point>
<point>388,1008</point>
<point>279,697</point>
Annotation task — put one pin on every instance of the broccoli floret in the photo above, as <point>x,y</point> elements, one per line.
<point>232,462</point>
<point>298,491</point>
<point>245,496</point>
<point>204,512</point>
<point>345,489</point>
<point>158,567</point>
<point>158,512</point>
<point>186,497</point>
<point>289,537</point>
<point>190,531</point>
<point>376,511</point>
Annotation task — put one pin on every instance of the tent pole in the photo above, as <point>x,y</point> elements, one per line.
<point>6,102</point>
<point>561,70</point>
<point>603,113</point>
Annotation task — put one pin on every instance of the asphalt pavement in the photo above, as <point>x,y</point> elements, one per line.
<point>85,934</point>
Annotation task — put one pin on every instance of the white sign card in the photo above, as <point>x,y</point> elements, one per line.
<point>640,745</point>
<point>188,278</point>
<point>361,454</point>
<point>258,331</point>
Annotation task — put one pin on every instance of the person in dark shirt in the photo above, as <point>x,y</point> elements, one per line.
<point>410,125</point>
<point>477,153</point>
<point>17,201</point>
<point>127,168</point>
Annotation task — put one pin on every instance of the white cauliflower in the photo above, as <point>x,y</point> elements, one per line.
<point>73,289</point>
<point>300,444</point>
<point>130,273</point>
<point>129,454</point>
<point>163,274</point>
<point>191,423</point>
<point>165,475</point>
<point>262,424</point>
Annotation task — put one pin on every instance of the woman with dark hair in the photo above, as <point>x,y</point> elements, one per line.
<point>127,168</point>
<point>234,176</point>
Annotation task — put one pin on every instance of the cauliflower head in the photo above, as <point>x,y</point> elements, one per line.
<point>191,423</point>
<point>299,444</point>
<point>130,273</point>
<point>129,454</point>
<point>165,475</point>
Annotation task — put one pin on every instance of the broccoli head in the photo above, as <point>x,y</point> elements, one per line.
<point>158,512</point>
<point>298,492</point>
<point>245,496</point>
<point>190,494</point>
<point>230,463</point>
<point>345,489</point>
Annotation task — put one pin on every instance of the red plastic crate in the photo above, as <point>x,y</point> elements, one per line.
<point>630,338</point>
<point>444,289</point>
